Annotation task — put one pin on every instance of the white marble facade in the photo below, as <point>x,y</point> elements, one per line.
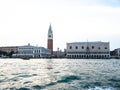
<point>88,50</point>
<point>32,52</point>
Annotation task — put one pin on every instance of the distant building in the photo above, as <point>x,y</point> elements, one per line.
<point>9,49</point>
<point>32,52</point>
<point>59,54</point>
<point>115,53</point>
<point>50,39</point>
<point>97,50</point>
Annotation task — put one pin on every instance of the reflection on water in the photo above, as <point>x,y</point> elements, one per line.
<point>59,74</point>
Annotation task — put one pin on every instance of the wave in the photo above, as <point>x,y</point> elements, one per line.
<point>64,79</point>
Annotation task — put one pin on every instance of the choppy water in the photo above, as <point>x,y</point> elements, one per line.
<point>59,74</point>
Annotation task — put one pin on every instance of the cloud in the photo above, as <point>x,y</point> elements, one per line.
<point>111,3</point>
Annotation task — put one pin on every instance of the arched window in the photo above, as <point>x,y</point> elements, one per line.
<point>76,47</point>
<point>70,47</point>
<point>87,48</point>
<point>105,47</point>
<point>82,47</point>
<point>99,48</point>
<point>93,47</point>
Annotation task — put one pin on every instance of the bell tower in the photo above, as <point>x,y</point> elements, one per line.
<point>50,39</point>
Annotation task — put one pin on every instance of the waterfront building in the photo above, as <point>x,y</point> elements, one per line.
<point>50,39</point>
<point>29,51</point>
<point>41,52</point>
<point>9,49</point>
<point>115,53</point>
<point>25,51</point>
<point>96,50</point>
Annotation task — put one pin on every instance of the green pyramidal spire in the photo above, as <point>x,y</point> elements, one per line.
<point>50,29</point>
<point>50,32</point>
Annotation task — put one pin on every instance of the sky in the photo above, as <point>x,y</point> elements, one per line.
<point>27,21</point>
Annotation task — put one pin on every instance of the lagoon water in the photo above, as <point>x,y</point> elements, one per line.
<point>60,74</point>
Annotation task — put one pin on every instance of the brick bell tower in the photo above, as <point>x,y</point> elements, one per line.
<point>50,39</point>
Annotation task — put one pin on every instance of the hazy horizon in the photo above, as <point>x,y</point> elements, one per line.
<point>27,21</point>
